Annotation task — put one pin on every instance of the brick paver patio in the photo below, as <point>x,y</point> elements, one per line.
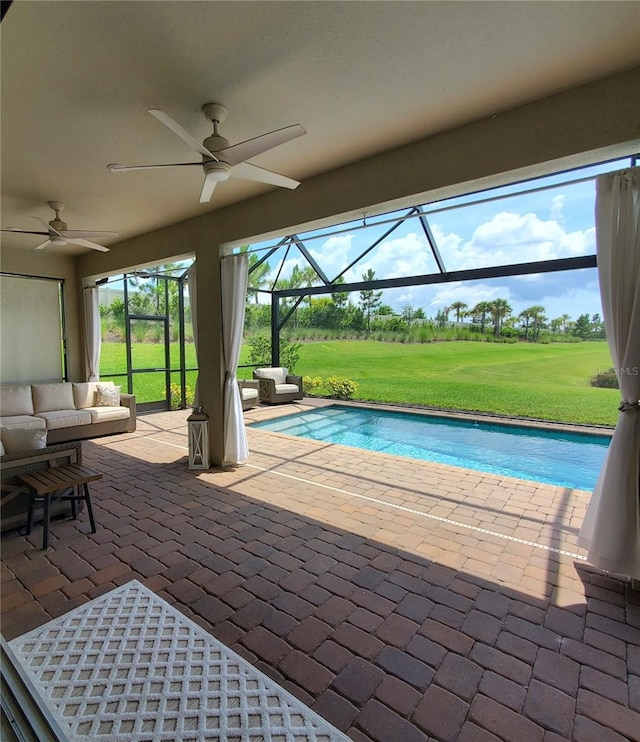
<point>402,600</point>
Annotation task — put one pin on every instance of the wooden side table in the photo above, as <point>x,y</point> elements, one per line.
<point>45,484</point>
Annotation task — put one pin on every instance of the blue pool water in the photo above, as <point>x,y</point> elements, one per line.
<point>566,459</point>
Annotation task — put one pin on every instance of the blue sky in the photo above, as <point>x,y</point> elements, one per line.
<point>547,224</point>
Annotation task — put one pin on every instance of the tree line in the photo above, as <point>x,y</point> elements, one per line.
<point>369,314</point>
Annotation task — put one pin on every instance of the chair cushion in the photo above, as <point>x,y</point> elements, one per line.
<point>279,374</point>
<point>105,414</point>
<point>287,388</point>
<point>17,440</point>
<point>249,394</point>
<point>25,422</point>
<point>16,400</point>
<point>51,397</point>
<point>65,418</point>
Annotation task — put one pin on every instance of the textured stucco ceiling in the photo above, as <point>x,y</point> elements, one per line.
<point>361,77</point>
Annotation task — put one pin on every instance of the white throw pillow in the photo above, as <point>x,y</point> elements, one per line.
<point>2,451</point>
<point>18,440</point>
<point>107,396</point>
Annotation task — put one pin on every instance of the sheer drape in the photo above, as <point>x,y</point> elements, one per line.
<point>611,529</point>
<point>92,332</point>
<point>234,279</point>
<point>193,288</point>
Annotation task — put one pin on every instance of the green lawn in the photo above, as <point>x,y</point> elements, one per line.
<point>527,380</point>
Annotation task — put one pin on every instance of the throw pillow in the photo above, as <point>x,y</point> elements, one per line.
<point>107,396</point>
<point>2,451</point>
<point>18,440</point>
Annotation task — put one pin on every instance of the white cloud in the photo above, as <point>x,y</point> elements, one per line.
<point>557,204</point>
<point>506,237</point>
<point>404,256</point>
<point>513,238</point>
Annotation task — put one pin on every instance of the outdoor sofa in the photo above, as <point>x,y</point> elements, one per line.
<point>66,411</point>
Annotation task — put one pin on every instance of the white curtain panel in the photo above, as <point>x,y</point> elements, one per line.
<point>92,332</point>
<point>234,278</point>
<point>611,528</point>
<point>193,295</point>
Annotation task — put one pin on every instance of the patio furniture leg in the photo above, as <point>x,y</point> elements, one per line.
<point>45,523</point>
<point>75,491</point>
<point>32,497</point>
<point>89,508</point>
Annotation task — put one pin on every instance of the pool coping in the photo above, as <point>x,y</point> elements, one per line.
<point>487,417</point>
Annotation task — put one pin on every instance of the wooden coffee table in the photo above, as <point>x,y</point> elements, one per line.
<point>54,483</point>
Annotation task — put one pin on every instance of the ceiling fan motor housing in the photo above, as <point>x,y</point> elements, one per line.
<point>58,225</point>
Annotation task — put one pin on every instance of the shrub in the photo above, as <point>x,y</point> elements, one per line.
<point>260,352</point>
<point>341,388</point>
<point>312,385</point>
<point>175,397</point>
<point>605,378</point>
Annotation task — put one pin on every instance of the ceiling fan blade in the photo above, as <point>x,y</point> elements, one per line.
<point>88,243</point>
<point>42,245</point>
<point>252,172</point>
<point>182,133</point>
<point>48,227</point>
<point>208,187</point>
<point>115,168</point>
<point>21,231</point>
<point>75,233</point>
<point>252,147</point>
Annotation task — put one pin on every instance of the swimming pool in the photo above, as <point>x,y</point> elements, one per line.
<point>566,459</point>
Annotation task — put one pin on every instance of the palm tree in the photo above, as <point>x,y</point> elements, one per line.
<point>555,325</point>
<point>480,311</point>
<point>458,307</point>
<point>525,318</point>
<point>340,300</point>
<point>295,281</point>
<point>499,310</point>
<point>369,299</point>
<point>565,319</point>
<point>538,319</point>
<point>257,275</point>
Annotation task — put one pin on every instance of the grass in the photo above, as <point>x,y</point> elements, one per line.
<point>548,382</point>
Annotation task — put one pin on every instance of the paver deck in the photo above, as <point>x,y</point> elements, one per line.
<point>401,600</point>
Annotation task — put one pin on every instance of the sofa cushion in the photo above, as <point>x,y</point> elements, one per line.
<point>279,374</point>
<point>84,393</point>
<point>107,396</point>
<point>51,397</point>
<point>16,400</point>
<point>287,388</point>
<point>105,414</point>
<point>65,418</point>
<point>17,440</point>
<point>26,422</point>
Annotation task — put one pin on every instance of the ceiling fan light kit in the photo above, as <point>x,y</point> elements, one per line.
<point>220,160</point>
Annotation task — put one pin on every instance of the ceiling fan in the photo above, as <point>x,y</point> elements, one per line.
<point>221,160</point>
<point>57,233</point>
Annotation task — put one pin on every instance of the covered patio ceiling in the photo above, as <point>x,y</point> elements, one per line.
<point>362,78</point>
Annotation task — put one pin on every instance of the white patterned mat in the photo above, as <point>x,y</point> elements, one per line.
<point>128,666</point>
